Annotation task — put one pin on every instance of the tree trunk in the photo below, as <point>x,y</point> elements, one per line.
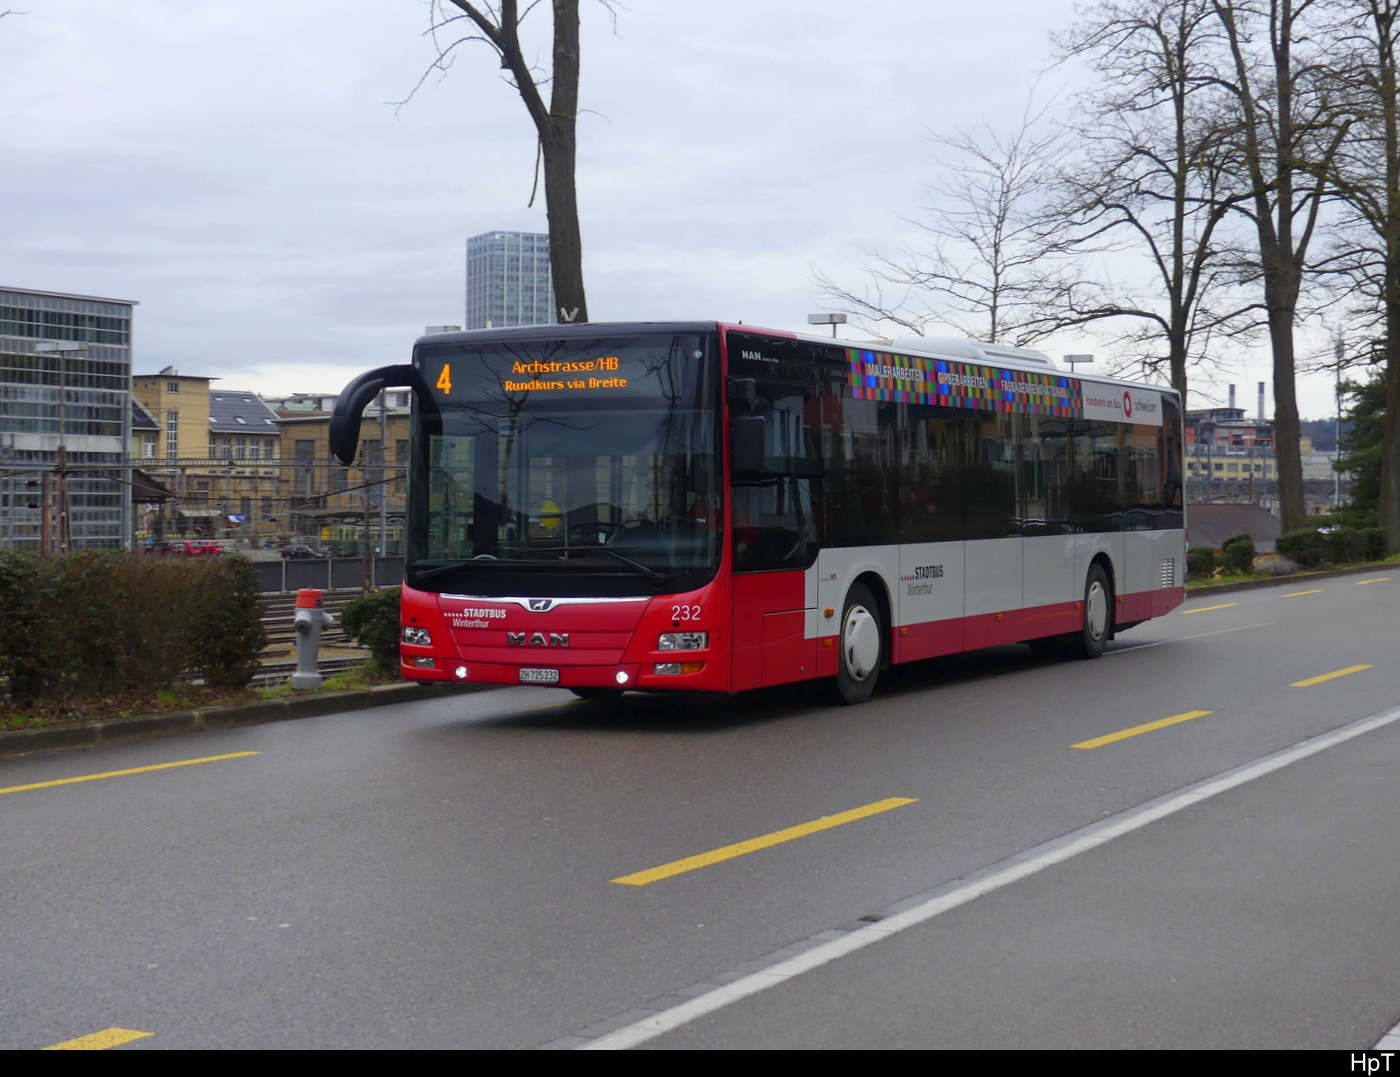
<point>565,243</point>
<point>558,146</point>
<point>1389,509</point>
<point>1293,511</point>
<point>1383,16</point>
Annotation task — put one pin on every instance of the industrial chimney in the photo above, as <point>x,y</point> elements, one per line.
<point>1261,401</point>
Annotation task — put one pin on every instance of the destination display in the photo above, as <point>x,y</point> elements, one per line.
<point>536,376</point>
<point>552,372</point>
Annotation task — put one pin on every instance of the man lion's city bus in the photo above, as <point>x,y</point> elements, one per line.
<point>713,507</point>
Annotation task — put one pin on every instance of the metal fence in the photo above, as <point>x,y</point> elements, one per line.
<point>330,574</point>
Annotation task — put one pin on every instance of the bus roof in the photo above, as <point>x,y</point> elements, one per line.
<point>949,348</point>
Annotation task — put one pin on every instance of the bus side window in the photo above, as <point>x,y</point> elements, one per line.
<point>1043,458</point>
<point>1095,488</point>
<point>860,493</point>
<point>929,501</point>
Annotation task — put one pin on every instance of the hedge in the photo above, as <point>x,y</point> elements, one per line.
<point>1305,547</point>
<point>1200,563</point>
<point>372,621</point>
<point>1237,555</point>
<point>95,624</point>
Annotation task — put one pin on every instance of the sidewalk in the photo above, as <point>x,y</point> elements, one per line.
<point>311,705</point>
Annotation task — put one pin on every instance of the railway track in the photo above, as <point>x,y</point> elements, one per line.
<point>279,612</point>
<point>278,620</point>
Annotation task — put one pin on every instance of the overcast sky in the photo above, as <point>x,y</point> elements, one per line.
<point>235,167</point>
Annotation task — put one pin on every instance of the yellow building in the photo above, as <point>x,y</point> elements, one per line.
<point>218,449</point>
<point>344,508</point>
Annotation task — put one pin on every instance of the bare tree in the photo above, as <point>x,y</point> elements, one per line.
<point>498,26</point>
<point>1151,177</point>
<point>1289,130</point>
<point>1366,254</point>
<point>989,263</point>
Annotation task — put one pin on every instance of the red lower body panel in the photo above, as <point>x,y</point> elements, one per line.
<point>767,644</point>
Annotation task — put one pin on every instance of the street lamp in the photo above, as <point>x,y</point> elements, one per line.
<point>832,320</point>
<point>1072,359</point>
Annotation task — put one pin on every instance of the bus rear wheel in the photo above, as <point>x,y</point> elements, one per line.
<point>1091,640</point>
<point>862,646</point>
<point>1095,629</point>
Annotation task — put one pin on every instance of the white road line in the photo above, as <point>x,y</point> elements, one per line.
<point>961,892</point>
<point>1390,1041</point>
<point>1178,639</point>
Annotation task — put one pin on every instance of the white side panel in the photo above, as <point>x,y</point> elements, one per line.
<point>1143,569</point>
<point>1049,577</point>
<point>835,571</point>
<point>993,576</point>
<point>1167,546</point>
<point>931,582</point>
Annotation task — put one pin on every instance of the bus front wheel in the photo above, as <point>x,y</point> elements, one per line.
<point>862,646</point>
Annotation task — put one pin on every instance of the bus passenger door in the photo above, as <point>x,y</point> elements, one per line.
<point>774,534</point>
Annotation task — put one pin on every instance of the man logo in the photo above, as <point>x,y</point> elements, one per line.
<point>541,605</point>
<point>537,639</point>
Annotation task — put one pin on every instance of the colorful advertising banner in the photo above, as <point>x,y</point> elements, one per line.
<point>918,380</point>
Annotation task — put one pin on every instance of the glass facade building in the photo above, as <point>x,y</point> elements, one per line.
<point>508,280</point>
<point>78,399</point>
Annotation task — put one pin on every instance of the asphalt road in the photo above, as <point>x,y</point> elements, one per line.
<point>442,874</point>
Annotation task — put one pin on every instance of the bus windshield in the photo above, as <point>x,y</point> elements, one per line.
<point>578,466</point>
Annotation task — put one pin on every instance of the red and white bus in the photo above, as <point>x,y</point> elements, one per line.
<point>713,507</point>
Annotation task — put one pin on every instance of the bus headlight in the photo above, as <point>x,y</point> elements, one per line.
<point>683,641</point>
<point>417,637</point>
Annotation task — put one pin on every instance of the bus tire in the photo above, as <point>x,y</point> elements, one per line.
<point>862,646</point>
<point>1092,638</point>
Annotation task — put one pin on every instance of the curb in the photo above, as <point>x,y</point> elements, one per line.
<point>113,730</point>
<point>1297,577</point>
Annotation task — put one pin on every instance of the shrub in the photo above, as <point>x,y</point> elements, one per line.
<point>372,621</point>
<point>1344,545</point>
<point>1305,547</point>
<point>1200,563</point>
<point>105,623</point>
<point>1372,543</point>
<point>1237,555</point>
<point>231,631</point>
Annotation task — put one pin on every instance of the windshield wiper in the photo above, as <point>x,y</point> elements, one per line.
<point>429,573</point>
<point>612,551</point>
<point>647,571</point>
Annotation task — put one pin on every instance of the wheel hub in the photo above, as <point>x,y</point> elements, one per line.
<point>860,642</point>
<point>1096,613</point>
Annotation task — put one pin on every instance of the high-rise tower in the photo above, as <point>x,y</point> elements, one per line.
<point>508,280</point>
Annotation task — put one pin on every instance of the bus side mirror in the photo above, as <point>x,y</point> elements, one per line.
<point>746,443</point>
<point>344,431</point>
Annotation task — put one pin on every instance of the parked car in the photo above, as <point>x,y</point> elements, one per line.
<point>185,548</point>
<point>298,551</point>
